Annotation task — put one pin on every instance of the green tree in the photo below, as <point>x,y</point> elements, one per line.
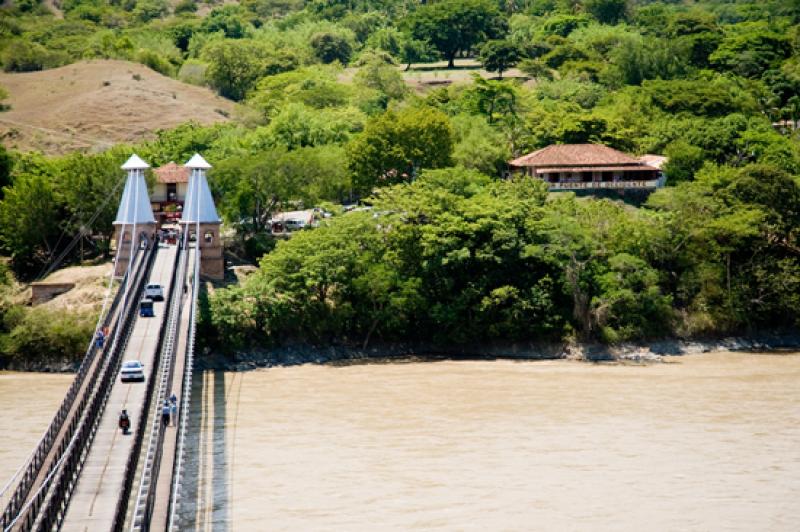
<point>29,223</point>
<point>749,49</point>
<point>315,87</point>
<point>395,146</point>
<point>256,186</point>
<point>454,26</point>
<point>607,11</point>
<point>229,19</point>
<point>89,187</point>
<point>497,100</point>
<point>562,24</point>
<point>297,126</point>
<point>382,78</point>
<point>684,160</point>
<point>234,66</point>
<point>6,165</point>
<point>479,146</point>
<point>629,302</point>
<point>147,10</point>
<point>416,51</point>
<point>499,55</point>
<point>330,47</point>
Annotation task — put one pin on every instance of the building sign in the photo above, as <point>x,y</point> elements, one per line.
<point>603,184</point>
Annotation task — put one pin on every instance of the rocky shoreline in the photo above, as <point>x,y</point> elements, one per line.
<point>298,354</point>
<point>651,352</point>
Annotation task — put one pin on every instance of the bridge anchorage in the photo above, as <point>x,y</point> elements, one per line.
<point>84,473</point>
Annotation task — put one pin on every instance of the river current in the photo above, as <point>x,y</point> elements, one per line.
<point>701,442</point>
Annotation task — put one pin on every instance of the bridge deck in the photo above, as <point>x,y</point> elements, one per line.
<point>94,501</point>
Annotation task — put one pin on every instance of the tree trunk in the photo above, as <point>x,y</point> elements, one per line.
<point>451,61</point>
<point>369,333</point>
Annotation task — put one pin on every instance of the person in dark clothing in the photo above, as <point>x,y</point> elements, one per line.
<point>165,414</point>
<point>124,422</point>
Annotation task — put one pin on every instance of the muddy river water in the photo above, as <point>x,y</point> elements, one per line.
<point>702,442</point>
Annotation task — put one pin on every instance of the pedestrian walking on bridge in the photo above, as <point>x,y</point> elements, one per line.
<point>165,414</point>
<point>173,408</point>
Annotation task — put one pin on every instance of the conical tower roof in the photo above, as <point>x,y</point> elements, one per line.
<point>197,161</point>
<point>134,207</point>
<point>134,163</point>
<point>199,204</point>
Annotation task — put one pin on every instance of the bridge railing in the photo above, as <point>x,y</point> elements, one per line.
<point>37,458</point>
<point>46,510</point>
<point>183,412</point>
<point>176,287</point>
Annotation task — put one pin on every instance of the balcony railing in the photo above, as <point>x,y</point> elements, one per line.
<point>619,185</point>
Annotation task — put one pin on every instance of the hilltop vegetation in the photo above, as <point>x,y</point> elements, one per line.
<point>449,252</point>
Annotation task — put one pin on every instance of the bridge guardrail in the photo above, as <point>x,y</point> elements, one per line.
<point>22,490</point>
<point>183,412</point>
<point>47,509</point>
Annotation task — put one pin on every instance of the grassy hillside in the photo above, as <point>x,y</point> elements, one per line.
<point>96,104</point>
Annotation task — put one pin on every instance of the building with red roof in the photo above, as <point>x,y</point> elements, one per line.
<point>169,193</point>
<point>591,167</point>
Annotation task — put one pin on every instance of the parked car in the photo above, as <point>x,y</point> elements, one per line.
<point>154,292</point>
<point>146,309</point>
<point>132,370</point>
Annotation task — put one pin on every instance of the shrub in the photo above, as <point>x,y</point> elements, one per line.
<point>193,72</point>
<point>185,6</point>
<point>47,335</point>
<point>155,61</point>
<point>22,56</point>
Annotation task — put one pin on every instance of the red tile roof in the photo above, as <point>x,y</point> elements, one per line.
<point>570,155</point>
<point>172,173</point>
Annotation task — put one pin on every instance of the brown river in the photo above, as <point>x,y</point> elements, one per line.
<point>701,442</point>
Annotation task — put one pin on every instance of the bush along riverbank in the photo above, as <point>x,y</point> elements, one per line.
<point>298,354</point>
<point>52,336</point>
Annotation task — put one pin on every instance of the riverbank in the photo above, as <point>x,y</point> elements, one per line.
<point>298,354</point>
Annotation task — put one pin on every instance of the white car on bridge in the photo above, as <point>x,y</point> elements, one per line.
<point>154,292</point>
<point>132,370</point>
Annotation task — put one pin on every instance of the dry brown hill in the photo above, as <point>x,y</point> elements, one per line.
<point>93,104</point>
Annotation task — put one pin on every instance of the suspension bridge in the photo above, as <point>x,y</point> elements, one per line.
<point>85,474</point>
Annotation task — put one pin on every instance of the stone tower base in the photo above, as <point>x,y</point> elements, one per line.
<point>147,235</point>
<point>212,262</point>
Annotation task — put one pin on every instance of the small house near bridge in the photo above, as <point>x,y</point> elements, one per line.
<point>169,193</point>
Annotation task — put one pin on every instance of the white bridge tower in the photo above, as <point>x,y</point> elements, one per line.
<point>134,224</point>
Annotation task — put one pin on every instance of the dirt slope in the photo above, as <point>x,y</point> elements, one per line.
<point>93,104</point>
